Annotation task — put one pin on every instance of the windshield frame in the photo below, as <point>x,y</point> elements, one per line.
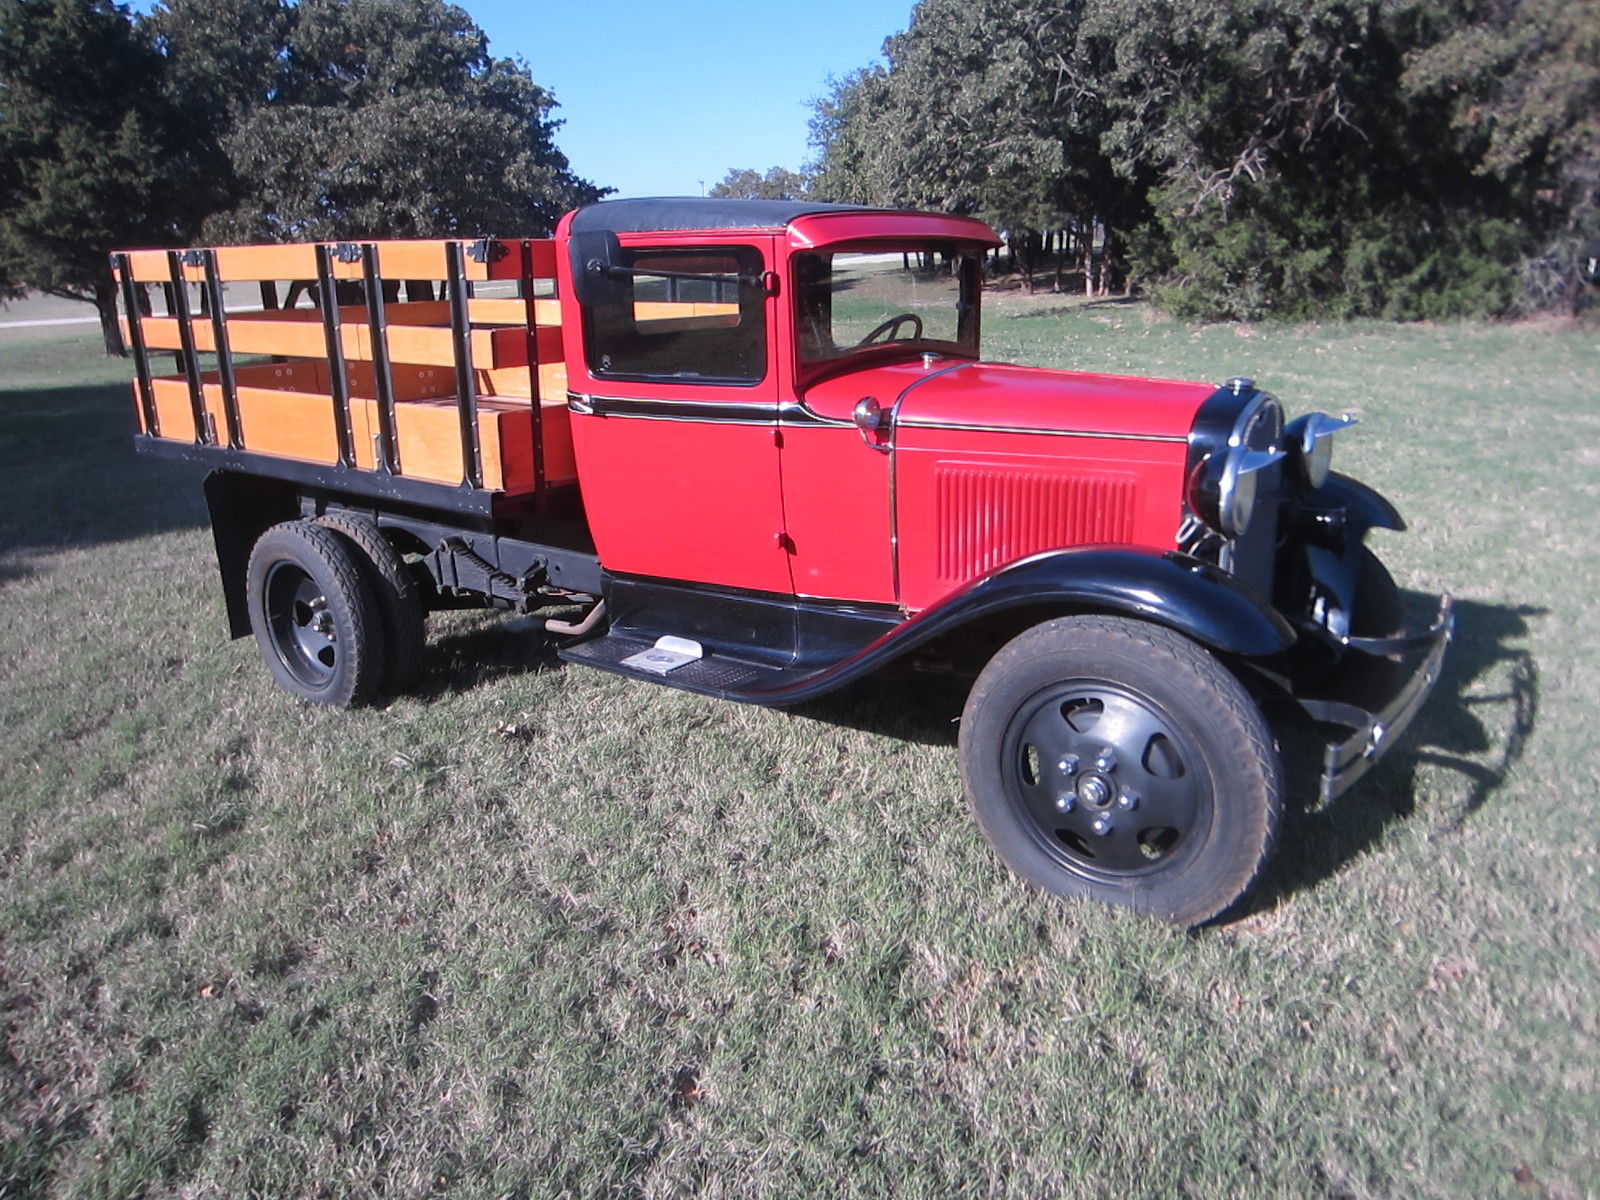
<point>968,270</point>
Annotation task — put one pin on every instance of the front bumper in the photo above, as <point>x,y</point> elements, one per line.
<point>1344,762</point>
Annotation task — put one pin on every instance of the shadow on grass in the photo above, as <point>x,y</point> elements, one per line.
<point>460,661</point>
<point>69,476</point>
<point>1477,732</point>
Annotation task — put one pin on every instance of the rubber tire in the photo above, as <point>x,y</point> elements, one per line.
<point>324,558</point>
<point>400,610</point>
<point>1200,701</point>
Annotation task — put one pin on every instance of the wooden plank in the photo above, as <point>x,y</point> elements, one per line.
<point>421,258</point>
<point>430,446</point>
<point>252,264</point>
<point>512,311</point>
<point>513,381</point>
<point>490,347</point>
<point>424,258</point>
<point>294,424</point>
<point>148,266</point>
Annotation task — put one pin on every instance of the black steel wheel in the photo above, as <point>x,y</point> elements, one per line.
<point>1115,760</point>
<point>394,588</point>
<point>313,615</point>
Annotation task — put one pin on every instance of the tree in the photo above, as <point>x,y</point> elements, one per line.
<point>980,111</point>
<point>1276,156</point>
<point>1521,82</point>
<point>779,183</point>
<point>368,118</point>
<point>94,155</point>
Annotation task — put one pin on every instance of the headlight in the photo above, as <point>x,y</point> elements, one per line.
<point>1311,439</point>
<point>1224,486</point>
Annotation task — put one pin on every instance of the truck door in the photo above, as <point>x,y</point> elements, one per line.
<point>674,416</point>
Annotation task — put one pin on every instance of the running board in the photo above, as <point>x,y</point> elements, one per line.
<point>714,674</point>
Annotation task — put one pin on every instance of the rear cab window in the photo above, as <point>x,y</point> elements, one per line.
<point>683,315</point>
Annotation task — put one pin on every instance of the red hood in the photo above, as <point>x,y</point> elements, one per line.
<point>1001,396</point>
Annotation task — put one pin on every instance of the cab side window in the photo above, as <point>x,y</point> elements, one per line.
<point>683,315</point>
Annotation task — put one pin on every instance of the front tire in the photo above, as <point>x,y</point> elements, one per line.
<point>1115,760</point>
<point>313,615</point>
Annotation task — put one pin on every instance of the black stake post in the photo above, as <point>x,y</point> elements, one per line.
<point>338,382</point>
<point>466,380</point>
<point>531,312</point>
<point>388,455</point>
<point>141,356</point>
<point>219,335</point>
<point>179,297</point>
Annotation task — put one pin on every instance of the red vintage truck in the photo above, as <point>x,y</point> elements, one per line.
<point>755,445</point>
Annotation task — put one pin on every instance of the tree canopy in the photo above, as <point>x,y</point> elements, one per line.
<point>779,183</point>
<point>1300,157</point>
<point>94,153</point>
<point>372,118</point>
<point>259,120</point>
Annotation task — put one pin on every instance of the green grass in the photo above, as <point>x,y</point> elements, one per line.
<point>546,932</point>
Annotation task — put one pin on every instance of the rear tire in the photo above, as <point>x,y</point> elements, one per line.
<point>313,615</point>
<point>1115,760</point>
<point>400,609</point>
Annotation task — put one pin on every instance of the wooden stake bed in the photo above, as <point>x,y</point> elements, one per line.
<point>338,377</point>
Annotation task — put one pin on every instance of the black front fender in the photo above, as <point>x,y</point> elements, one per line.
<point>1364,508</point>
<point>1182,593</point>
<point>1170,589</point>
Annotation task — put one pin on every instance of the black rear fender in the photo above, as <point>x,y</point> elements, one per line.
<point>243,507</point>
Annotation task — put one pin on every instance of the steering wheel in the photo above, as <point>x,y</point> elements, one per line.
<point>892,324</point>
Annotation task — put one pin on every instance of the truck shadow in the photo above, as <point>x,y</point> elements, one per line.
<point>69,476</point>
<point>1475,727</point>
<point>459,660</point>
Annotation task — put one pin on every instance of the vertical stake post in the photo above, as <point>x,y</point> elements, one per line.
<point>531,313</point>
<point>382,372</point>
<point>219,337</point>
<point>466,378</point>
<point>179,298</point>
<point>141,356</point>
<point>333,334</point>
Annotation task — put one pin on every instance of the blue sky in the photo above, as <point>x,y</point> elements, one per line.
<point>658,97</point>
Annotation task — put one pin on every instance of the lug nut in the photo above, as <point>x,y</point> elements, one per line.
<point>1101,825</point>
<point>1068,764</point>
<point>1127,801</point>
<point>1106,761</point>
<point>1066,803</point>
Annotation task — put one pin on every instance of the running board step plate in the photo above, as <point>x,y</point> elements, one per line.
<point>714,675</point>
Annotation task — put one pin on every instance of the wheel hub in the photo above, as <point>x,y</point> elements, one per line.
<point>1096,790</point>
<point>1106,780</point>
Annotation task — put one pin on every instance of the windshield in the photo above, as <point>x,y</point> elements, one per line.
<point>921,297</point>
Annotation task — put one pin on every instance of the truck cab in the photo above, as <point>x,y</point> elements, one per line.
<point>755,443</point>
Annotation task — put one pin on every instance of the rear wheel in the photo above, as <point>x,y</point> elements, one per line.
<point>400,610</point>
<point>313,614</point>
<point>1110,759</point>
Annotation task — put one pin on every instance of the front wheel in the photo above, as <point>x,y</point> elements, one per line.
<point>1119,761</point>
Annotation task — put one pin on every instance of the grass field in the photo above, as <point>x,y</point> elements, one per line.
<point>539,932</point>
